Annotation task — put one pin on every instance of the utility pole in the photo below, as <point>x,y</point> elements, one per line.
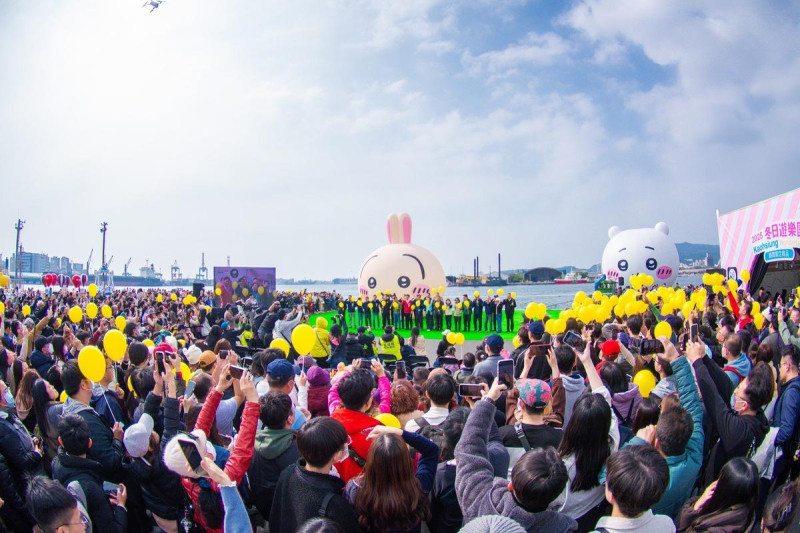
<point>17,280</point>
<point>229,260</point>
<point>103,229</point>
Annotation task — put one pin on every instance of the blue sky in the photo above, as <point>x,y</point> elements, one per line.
<point>283,133</point>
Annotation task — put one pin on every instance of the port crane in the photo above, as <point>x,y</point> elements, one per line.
<point>89,262</point>
<point>128,264</point>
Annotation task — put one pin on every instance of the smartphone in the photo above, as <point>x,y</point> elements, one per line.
<point>223,354</point>
<point>695,332</point>
<point>400,367</point>
<point>236,372</point>
<point>191,453</point>
<point>472,390</point>
<point>160,363</point>
<point>573,339</point>
<point>110,488</point>
<point>448,360</point>
<point>189,389</point>
<point>505,372</point>
<point>650,347</point>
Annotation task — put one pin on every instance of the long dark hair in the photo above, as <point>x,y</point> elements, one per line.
<point>737,484</point>
<point>614,378</point>
<point>390,495</point>
<point>41,404</point>
<point>586,437</point>
<point>647,414</point>
<point>414,335</point>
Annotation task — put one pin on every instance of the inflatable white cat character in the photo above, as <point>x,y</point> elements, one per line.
<point>644,250</point>
<point>400,267</point>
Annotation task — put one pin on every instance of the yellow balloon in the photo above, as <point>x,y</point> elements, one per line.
<point>173,297</point>
<point>303,339</point>
<point>707,279</point>
<point>120,322</point>
<point>218,292</point>
<point>758,320</point>
<point>745,275</point>
<point>388,419</point>
<point>662,329</point>
<point>261,290</point>
<point>26,310</point>
<point>149,343</point>
<point>160,298</point>
<point>281,345</point>
<point>619,310</point>
<point>732,285</point>
<point>186,372</point>
<point>756,308</point>
<point>245,291</point>
<point>597,296</point>
<point>601,314</point>
<point>500,291</point>
<point>687,309</point>
<point>75,314</point>
<point>549,327</point>
<point>437,305</point>
<point>646,382</point>
<point>586,315</point>
<point>91,310</point>
<point>541,311</point>
<point>465,303</point>
<point>636,282</point>
<point>667,309</point>
<point>92,290</point>
<point>580,296</point>
<point>2,308</point>
<point>515,341</point>
<point>105,311</point>
<point>490,292</point>
<point>451,338</point>
<point>630,308</point>
<point>560,326</point>
<point>531,311</point>
<point>115,344</point>
<point>433,292</point>
<point>341,305</point>
<point>460,338</point>
<point>513,294</point>
<point>235,285</point>
<point>476,294</point>
<point>92,363</point>
<point>441,290</point>
<point>63,397</point>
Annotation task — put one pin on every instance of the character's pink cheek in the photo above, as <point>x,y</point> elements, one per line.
<point>420,290</point>
<point>612,274</point>
<point>363,291</point>
<point>664,272</point>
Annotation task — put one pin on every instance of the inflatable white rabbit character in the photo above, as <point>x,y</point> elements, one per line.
<point>642,250</point>
<point>400,267</point>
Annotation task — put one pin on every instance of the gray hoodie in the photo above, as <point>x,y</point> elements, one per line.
<point>480,493</point>
<point>573,388</point>
<point>665,387</point>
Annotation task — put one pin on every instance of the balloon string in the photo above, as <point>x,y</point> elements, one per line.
<point>109,407</point>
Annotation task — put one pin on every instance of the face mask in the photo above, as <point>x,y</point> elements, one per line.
<point>9,398</point>
<point>49,348</point>
<point>734,401</point>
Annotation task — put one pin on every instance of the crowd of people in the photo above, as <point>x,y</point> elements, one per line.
<point>212,421</point>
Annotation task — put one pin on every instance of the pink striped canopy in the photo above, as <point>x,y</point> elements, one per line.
<point>767,225</point>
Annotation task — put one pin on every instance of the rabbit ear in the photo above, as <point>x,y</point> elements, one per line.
<point>393,229</point>
<point>405,221</point>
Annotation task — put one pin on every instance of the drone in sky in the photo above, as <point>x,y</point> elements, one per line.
<point>154,3</point>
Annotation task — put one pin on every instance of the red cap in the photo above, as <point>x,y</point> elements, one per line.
<point>610,348</point>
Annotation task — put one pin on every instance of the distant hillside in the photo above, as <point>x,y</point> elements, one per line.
<point>689,252</point>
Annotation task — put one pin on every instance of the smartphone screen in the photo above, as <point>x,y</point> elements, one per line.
<point>505,372</point>
<point>447,360</point>
<point>572,338</point>
<point>400,366</point>
<point>223,354</point>
<point>236,372</point>
<point>472,390</point>
<point>189,389</point>
<point>695,332</point>
<point>191,453</point>
<point>651,346</point>
<point>160,363</point>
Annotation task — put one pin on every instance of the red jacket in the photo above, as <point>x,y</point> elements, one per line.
<point>355,422</point>
<point>239,461</point>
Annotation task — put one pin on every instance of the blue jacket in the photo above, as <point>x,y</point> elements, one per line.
<point>787,409</point>
<point>683,468</point>
<point>742,365</point>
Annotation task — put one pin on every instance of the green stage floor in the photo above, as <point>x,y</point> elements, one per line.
<point>468,335</point>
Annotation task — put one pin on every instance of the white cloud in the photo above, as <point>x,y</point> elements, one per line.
<point>533,50</point>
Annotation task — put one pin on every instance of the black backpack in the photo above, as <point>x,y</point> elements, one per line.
<point>436,434</point>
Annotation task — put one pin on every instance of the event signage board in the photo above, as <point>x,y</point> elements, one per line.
<point>239,283</point>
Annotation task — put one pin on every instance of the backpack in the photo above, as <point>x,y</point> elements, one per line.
<point>74,488</point>
<point>436,434</point>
